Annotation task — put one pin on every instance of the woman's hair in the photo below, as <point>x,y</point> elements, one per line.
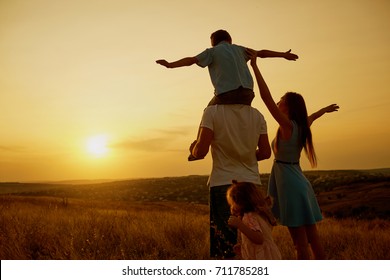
<point>244,197</point>
<point>297,112</point>
<point>219,36</point>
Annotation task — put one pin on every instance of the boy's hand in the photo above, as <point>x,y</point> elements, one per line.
<point>163,62</point>
<point>290,56</point>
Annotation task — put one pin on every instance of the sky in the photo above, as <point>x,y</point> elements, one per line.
<point>81,96</point>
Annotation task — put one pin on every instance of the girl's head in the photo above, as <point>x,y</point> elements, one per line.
<point>294,106</point>
<point>244,197</point>
<point>219,36</point>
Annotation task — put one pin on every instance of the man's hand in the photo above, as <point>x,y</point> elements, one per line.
<point>192,146</point>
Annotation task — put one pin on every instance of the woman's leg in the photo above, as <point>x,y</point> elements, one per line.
<point>293,237</point>
<point>315,242</point>
<point>298,235</point>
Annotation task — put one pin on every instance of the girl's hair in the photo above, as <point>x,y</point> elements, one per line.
<point>297,112</point>
<point>219,36</point>
<point>245,197</point>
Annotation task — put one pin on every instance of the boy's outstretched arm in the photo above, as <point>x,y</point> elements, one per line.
<point>328,109</point>
<point>187,61</point>
<point>267,53</point>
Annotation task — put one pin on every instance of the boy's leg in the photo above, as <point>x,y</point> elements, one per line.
<point>213,101</point>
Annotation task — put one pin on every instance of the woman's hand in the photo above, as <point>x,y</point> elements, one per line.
<point>331,108</point>
<point>252,54</point>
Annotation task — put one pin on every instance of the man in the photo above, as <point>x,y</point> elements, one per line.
<point>237,135</point>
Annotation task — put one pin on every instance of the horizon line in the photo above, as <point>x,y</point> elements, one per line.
<point>84,181</point>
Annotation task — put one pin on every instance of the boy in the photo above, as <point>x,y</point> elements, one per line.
<point>228,69</point>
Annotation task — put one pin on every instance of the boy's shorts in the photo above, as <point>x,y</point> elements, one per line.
<point>237,96</point>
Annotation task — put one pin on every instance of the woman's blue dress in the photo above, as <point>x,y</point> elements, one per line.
<point>294,201</point>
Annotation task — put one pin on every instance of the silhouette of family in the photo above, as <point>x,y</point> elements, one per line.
<point>241,216</point>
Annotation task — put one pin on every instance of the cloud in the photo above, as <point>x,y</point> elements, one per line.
<point>12,149</point>
<point>164,141</point>
<point>151,145</point>
<point>178,131</point>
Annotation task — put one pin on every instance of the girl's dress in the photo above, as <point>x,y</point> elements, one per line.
<point>294,201</point>
<point>251,251</point>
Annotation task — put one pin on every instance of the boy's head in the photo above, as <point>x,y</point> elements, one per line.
<point>219,36</point>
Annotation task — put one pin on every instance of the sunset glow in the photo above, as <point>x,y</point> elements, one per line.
<point>81,95</point>
<point>97,145</point>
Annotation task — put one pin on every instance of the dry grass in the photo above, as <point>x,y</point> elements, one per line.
<point>356,239</point>
<point>53,228</point>
<point>46,228</point>
<point>347,239</point>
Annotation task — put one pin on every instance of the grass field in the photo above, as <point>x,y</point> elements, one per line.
<point>51,228</point>
<point>168,218</point>
<point>47,228</point>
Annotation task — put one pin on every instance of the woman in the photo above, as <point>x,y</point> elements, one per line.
<point>295,204</point>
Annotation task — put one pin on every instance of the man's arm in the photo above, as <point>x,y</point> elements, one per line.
<point>328,109</point>
<point>200,147</point>
<point>187,61</point>
<point>264,149</point>
<point>267,53</point>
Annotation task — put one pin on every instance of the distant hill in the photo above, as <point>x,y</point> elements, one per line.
<point>341,193</point>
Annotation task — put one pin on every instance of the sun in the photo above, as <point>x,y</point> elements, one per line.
<point>97,145</point>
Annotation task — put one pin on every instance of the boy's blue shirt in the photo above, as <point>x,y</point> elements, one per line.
<point>228,69</point>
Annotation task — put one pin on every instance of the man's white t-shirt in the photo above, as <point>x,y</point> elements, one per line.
<point>236,129</point>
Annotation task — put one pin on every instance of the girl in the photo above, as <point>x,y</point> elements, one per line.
<point>295,204</point>
<point>252,216</point>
